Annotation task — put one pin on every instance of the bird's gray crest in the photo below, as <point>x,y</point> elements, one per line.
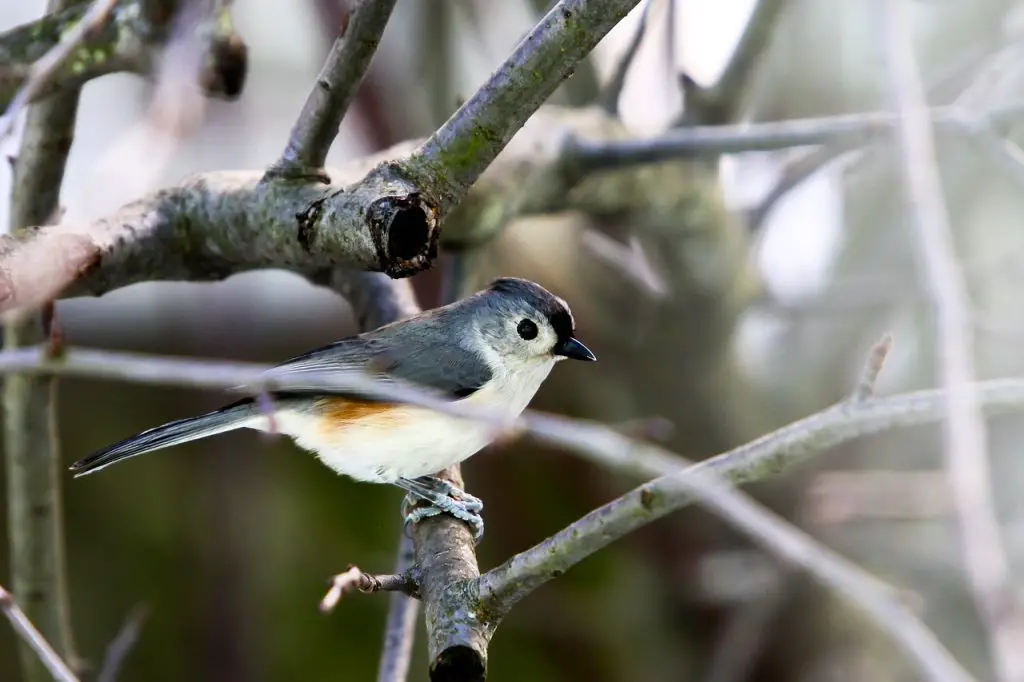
<point>555,309</point>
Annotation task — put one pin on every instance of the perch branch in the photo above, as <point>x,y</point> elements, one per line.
<point>336,86</point>
<point>23,627</point>
<point>446,556</point>
<point>377,300</point>
<point>967,455</point>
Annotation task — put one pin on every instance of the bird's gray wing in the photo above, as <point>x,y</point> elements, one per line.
<point>440,365</point>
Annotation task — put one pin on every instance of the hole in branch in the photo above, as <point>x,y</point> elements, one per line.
<point>408,233</point>
<point>457,664</point>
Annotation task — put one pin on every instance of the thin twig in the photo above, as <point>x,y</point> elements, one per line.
<point>400,627</point>
<point>722,102</point>
<point>967,455</point>
<point>682,483</point>
<point>745,635</point>
<point>23,628</point>
<point>335,88</point>
<point>853,129</point>
<point>122,645</point>
<point>354,579</point>
<point>43,70</point>
<point>461,149</point>
<point>872,367</point>
<point>612,91</point>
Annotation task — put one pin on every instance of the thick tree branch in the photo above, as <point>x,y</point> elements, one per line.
<point>57,669</point>
<point>376,301</point>
<point>32,445</point>
<point>385,220</point>
<point>458,153</point>
<point>967,456</point>
<point>218,224</point>
<point>336,86</point>
<point>446,558</point>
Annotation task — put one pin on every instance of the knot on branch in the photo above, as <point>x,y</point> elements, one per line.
<point>405,233</point>
<point>225,68</point>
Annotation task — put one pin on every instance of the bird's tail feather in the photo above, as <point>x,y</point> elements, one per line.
<point>228,418</point>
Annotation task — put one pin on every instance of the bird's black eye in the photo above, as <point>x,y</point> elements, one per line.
<point>527,329</point>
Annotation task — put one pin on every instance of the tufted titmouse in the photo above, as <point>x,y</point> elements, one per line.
<point>493,348</point>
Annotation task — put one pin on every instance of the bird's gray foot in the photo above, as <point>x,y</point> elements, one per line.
<point>443,498</point>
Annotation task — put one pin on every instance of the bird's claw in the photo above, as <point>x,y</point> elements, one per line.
<point>443,498</point>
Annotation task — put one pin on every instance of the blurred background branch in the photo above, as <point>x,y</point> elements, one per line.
<point>966,440</point>
<point>35,526</point>
<point>724,295</point>
<point>34,641</point>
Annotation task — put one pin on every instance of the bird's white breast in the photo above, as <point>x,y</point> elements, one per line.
<point>410,441</point>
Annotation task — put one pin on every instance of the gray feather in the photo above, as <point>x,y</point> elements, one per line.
<point>174,433</point>
<point>431,360</point>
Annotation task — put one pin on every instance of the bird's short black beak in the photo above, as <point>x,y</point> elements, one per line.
<point>572,348</point>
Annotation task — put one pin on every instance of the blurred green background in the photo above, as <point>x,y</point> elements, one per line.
<point>753,320</point>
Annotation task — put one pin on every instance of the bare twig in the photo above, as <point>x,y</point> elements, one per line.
<point>746,633</point>
<point>722,101</point>
<point>629,260</point>
<point>967,456</point>
<point>400,628</point>
<point>43,71</point>
<point>336,86</point>
<point>612,90</point>
<point>852,129</point>
<point>27,632</point>
<point>122,644</point>
<point>504,586</point>
<point>872,367</point>
<point>457,153</point>
<point>354,579</point>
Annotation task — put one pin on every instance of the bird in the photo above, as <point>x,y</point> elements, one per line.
<point>493,348</point>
